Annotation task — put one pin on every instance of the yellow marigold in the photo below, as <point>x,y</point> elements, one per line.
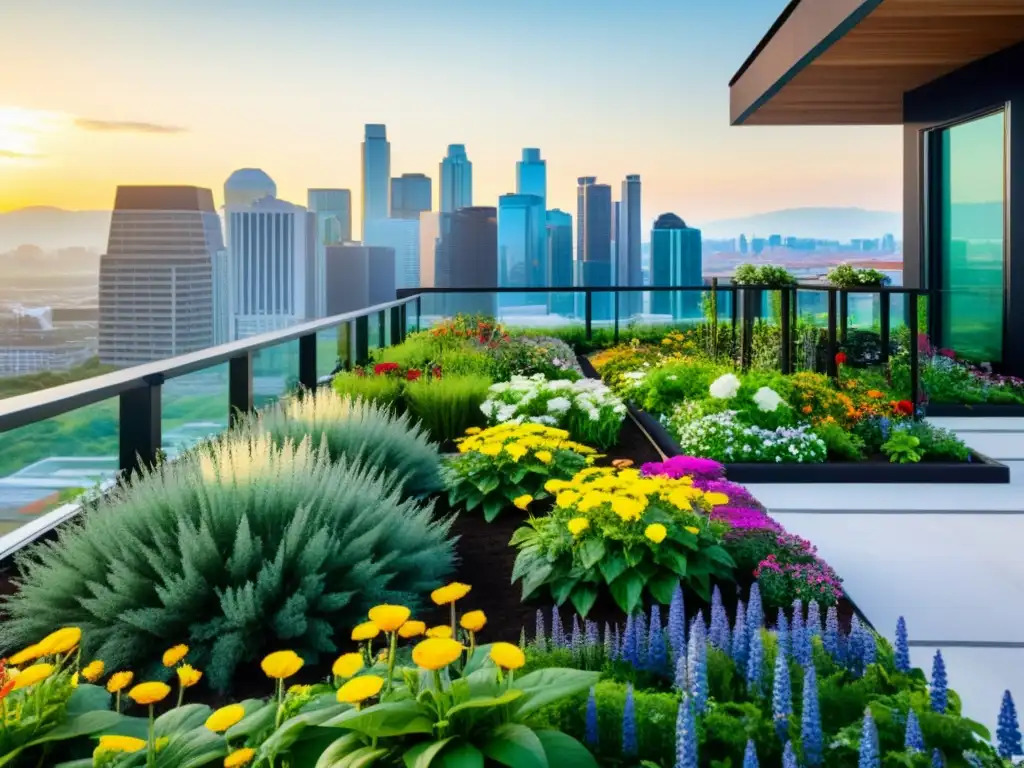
<point>119,681</point>
<point>112,743</point>
<point>412,629</point>
<point>436,653</point>
<point>442,631</point>
<point>360,689</point>
<point>31,653</point>
<point>149,693</point>
<point>473,431</point>
<point>450,593</point>
<point>93,671</point>
<point>516,451</point>
<point>281,664</point>
<point>491,449</point>
<point>225,717</point>
<point>173,655</point>
<point>239,757</point>
<point>347,665</point>
<point>692,529</point>
<point>578,525</point>
<point>628,508</point>
<point>523,502</point>
<point>592,500</point>
<point>716,499</point>
<point>566,499</point>
<point>680,500</point>
<point>188,675</point>
<point>61,641</point>
<point>365,631</point>
<point>473,621</point>
<point>507,656</point>
<point>554,486</point>
<point>389,617</point>
<point>656,532</point>
<point>544,457</point>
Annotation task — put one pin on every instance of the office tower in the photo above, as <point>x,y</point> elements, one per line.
<point>522,247</point>
<point>430,236</point>
<point>411,194</point>
<point>757,245</point>
<point>743,245</point>
<point>616,216</point>
<point>246,186</point>
<point>593,241</point>
<point>272,247</point>
<point>376,174</point>
<point>775,241</point>
<point>359,276</point>
<point>467,257</point>
<point>403,237</point>
<point>628,245</point>
<point>333,211</point>
<point>158,279</point>
<point>559,260</point>
<point>889,243</point>
<point>456,180</point>
<point>676,261</point>
<point>532,175</point>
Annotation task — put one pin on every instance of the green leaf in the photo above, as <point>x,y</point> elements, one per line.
<point>591,551</point>
<point>525,560</point>
<point>473,499</point>
<point>422,755</point>
<point>671,558</point>
<point>563,750</point>
<point>519,474</point>
<point>259,717</point>
<point>516,746</point>
<point>484,702</point>
<point>291,729</point>
<point>549,685</point>
<point>477,665</point>
<point>488,484</point>
<point>522,536</point>
<point>536,578</point>
<point>84,724</point>
<point>634,555</point>
<point>181,719</point>
<point>561,589</point>
<point>86,698</point>
<point>612,565</point>
<point>627,590</point>
<point>361,758</point>
<point>719,555</point>
<point>583,598</point>
<point>662,585</point>
<point>338,749</point>
<point>463,755</point>
<point>392,718</point>
<point>492,507</point>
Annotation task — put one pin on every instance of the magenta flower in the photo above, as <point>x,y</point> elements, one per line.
<point>681,466</point>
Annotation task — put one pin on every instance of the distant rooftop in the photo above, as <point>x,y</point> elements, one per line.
<point>163,198</point>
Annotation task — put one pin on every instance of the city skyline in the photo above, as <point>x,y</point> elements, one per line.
<point>171,119</point>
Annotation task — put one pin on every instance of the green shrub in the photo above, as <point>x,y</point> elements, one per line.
<point>679,382</point>
<point>354,429</point>
<point>840,444</point>
<point>237,550</point>
<point>448,406</point>
<point>382,390</point>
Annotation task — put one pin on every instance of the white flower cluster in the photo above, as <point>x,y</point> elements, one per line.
<point>536,399</point>
<point>720,436</point>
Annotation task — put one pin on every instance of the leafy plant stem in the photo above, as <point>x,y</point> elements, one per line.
<point>392,651</point>
<point>151,747</point>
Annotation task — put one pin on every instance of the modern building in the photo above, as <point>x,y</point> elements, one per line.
<point>627,246</point>
<point>333,209</point>
<point>359,276</point>
<point>743,247</point>
<point>411,194</point>
<point>676,261</point>
<point>158,290</point>
<point>948,71</point>
<point>403,237</point>
<point>559,261</point>
<point>456,180</point>
<point>272,248</point>
<point>532,175</point>
<point>247,185</point>
<point>594,242</point>
<point>430,236</point>
<point>522,247</point>
<point>376,155</point>
<point>467,257</point>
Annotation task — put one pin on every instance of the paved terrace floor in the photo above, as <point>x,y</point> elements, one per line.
<point>946,557</point>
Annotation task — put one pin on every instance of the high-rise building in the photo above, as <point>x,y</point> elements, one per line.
<point>272,247</point>
<point>247,185</point>
<point>430,237</point>
<point>403,237</point>
<point>775,241</point>
<point>359,276</point>
<point>559,260</point>
<point>376,174</point>
<point>411,194</point>
<point>676,261</point>
<point>743,245</point>
<point>629,270</point>
<point>333,210</point>
<point>161,289</point>
<point>532,175</point>
<point>888,243</point>
<point>616,220</point>
<point>456,180</point>
<point>522,247</point>
<point>593,241</point>
<point>467,257</point>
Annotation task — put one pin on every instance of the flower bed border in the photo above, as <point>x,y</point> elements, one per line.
<point>976,410</point>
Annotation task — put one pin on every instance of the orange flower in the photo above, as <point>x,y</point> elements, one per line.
<point>875,394</point>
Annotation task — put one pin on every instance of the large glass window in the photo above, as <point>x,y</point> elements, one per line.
<point>972,192</point>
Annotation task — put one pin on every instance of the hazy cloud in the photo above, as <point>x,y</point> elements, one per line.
<point>11,154</point>
<point>126,126</point>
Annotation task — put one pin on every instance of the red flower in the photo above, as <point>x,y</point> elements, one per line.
<point>903,407</point>
<point>412,374</point>
<point>437,371</point>
<point>383,368</point>
<point>840,358</point>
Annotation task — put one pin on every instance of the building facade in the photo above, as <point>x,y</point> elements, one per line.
<point>247,185</point>
<point>676,260</point>
<point>411,195</point>
<point>456,180</point>
<point>359,276</point>
<point>333,210</point>
<point>532,175</point>
<point>560,262</point>
<point>522,246</point>
<point>594,242</point>
<point>628,268</point>
<point>467,257</point>
<point>376,156</point>
<point>403,237</point>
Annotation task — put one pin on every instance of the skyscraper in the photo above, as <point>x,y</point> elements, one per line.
<point>456,180</point>
<point>333,210</point>
<point>743,245</point>
<point>628,246</point>
<point>359,276</point>
<point>676,261</point>
<point>532,176</point>
<point>402,236</point>
<point>467,257</point>
<point>411,194</point>
<point>430,236</point>
<point>159,289</point>
<point>376,174</point>
<point>247,185</point>
<point>593,241</point>
<point>559,260</point>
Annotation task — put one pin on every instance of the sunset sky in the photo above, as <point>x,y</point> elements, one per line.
<point>184,92</point>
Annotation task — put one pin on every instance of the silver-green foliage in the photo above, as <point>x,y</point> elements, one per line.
<point>237,550</point>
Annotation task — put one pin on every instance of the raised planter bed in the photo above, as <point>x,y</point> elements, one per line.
<point>980,410</point>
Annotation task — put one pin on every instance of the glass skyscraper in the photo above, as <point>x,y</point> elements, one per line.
<point>411,195</point>
<point>559,260</point>
<point>333,211</point>
<point>676,261</point>
<point>456,180</point>
<point>522,236</point>
<point>628,269</point>
<point>594,241</point>
<point>376,174</point>
<point>532,175</point>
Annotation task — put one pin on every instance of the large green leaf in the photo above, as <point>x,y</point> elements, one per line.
<point>526,560</point>
<point>549,685</point>
<point>561,589</point>
<point>493,506</point>
<point>612,565</point>
<point>662,585</point>
<point>86,698</point>
<point>259,716</point>
<point>719,555</point>
<point>591,552</point>
<point>181,719</point>
<point>193,749</point>
<point>75,727</point>
<point>536,578</point>
<point>473,499</point>
<point>338,749</point>
<point>516,746</point>
<point>291,730</point>
<point>478,661</point>
<point>462,755</point>
<point>671,558</point>
<point>392,718</point>
<point>521,536</point>
<point>583,598</point>
<point>488,484</point>
<point>423,754</point>
<point>627,590</point>
<point>563,750</point>
<point>486,702</point>
<point>361,758</point>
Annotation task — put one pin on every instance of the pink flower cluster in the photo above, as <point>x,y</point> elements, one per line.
<point>815,578</point>
<point>681,466</point>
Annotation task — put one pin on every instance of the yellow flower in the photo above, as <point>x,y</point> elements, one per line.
<point>474,621</point>
<point>412,629</point>
<point>347,665</point>
<point>119,681</point>
<point>628,508</point>
<point>544,457</point>
<point>566,499</point>
<point>389,617</point>
<point>450,593</point>
<point>443,631</point>
<point>554,486</point>
<point>112,743</point>
<point>680,500</point>
<point>281,664</point>
<point>436,653</point>
<point>507,656</point>
<point>716,499</point>
<point>149,693</point>
<point>491,449</point>
<point>61,641</point>
<point>473,431</point>
<point>656,532</point>
<point>225,717</point>
<point>365,631</point>
<point>578,525</point>
<point>692,529</point>
<point>516,451</point>
<point>173,655</point>
<point>188,675</point>
<point>31,653</point>
<point>522,502</point>
<point>93,671</point>
<point>360,688</point>
<point>239,757</point>
<point>74,680</point>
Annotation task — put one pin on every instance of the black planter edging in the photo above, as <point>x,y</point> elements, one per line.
<point>981,470</point>
<point>978,410</point>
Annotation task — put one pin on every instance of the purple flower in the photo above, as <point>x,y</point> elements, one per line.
<point>641,638</point>
<point>592,732</point>
<point>686,735</point>
<point>697,664</point>
<point>939,689</point>
<point>902,646</point>
<point>1008,731</point>
<point>750,755</point>
<point>782,697</point>
<point>868,756</point>
<point>783,634</point>
<point>677,624</point>
<point>657,655</point>
<point>810,719</point>
<point>539,636</point>
<point>609,642</point>
<point>719,635</point>
<point>755,614</point>
<point>629,643</point>
<point>745,519</point>
<point>591,633</point>
<point>738,495</point>
<point>681,466</point>
<point>755,663</point>
<point>557,633</point>
<point>740,638</point>
<point>831,638</point>
<point>913,739</point>
<point>814,619</point>
<point>629,745</point>
<point>576,639</point>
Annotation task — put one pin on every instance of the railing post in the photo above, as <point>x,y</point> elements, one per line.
<point>240,402</point>
<point>404,318</point>
<point>915,368</point>
<point>733,319</point>
<point>746,339</point>
<point>844,314</point>
<point>588,314</point>
<point>307,361</point>
<point>139,427</point>
<point>616,331</point>
<point>830,364</point>
<point>382,329</point>
<point>361,351</point>
<point>396,326</point>
<point>785,329</point>
<point>884,319</point>
<point>419,312</point>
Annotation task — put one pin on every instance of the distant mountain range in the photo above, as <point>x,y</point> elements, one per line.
<point>841,224</point>
<point>53,228</point>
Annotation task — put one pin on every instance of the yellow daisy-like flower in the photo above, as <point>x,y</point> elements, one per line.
<point>656,532</point>
<point>112,743</point>
<point>281,664</point>
<point>239,757</point>
<point>442,631</point>
<point>578,525</point>
<point>523,502</point>
<point>173,655</point>
<point>412,629</point>
<point>225,717</point>
<point>692,529</point>
<point>566,499</point>
<point>507,656</point>
<point>554,486</point>
<point>188,675</point>
<point>365,631</point>
<point>544,457</point>
<point>360,689</point>
<point>389,617</point>
<point>450,593</point>
<point>347,665</point>
<point>628,508</point>
<point>31,653</point>
<point>61,641</point>
<point>491,449</point>
<point>436,653</point>
<point>680,500</point>
<point>716,499</point>
<point>119,681</point>
<point>473,621</point>
<point>473,431</point>
<point>149,693</point>
<point>516,451</point>
<point>93,671</point>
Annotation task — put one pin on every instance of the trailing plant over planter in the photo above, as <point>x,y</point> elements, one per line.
<point>845,276</point>
<point>767,275</point>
